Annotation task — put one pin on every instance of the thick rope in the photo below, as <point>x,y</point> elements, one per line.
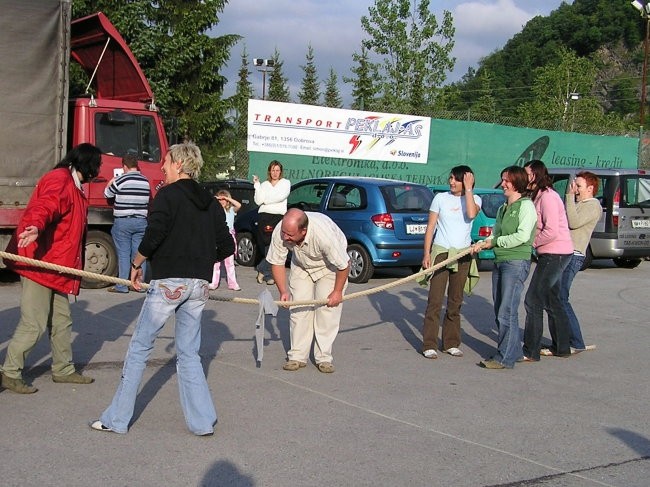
<point>116,280</point>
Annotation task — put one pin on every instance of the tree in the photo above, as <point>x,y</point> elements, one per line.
<point>232,144</point>
<point>170,40</point>
<point>486,105</point>
<point>364,85</point>
<point>309,93</point>
<point>563,97</point>
<point>243,93</point>
<point>278,88</point>
<point>415,51</point>
<point>332,94</point>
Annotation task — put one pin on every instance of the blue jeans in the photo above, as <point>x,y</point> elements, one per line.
<point>508,280</point>
<point>544,294</point>
<point>127,234</point>
<point>569,273</point>
<point>186,299</point>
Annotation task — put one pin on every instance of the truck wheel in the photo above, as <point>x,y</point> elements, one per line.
<point>361,268</point>
<point>246,249</point>
<point>626,263</point>
<point>101,258</point>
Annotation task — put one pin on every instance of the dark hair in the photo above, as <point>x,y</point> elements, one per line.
<point>130,161</point>
<point>85,158</point>
<point>590,178</point>
<point>518,177</point>
<point>459,171</point>
<point>541,179</point>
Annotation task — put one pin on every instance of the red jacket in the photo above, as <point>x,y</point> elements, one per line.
<point>60,211</point>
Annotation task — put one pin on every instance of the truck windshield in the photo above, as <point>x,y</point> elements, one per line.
<point>135,134</point>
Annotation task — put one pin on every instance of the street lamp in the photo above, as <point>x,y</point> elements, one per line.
<point>263,66</point>
<point>573,96</point>
<point>644,9</point>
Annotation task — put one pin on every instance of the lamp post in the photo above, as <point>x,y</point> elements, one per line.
<point>644,9</point>
<point>573,96</point>
<point>264,65</point>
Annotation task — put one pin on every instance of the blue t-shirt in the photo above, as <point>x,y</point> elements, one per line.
<point>453,229</point>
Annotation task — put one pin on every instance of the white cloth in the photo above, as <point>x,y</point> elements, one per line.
<point>272,199</point>
<point>267,307</point>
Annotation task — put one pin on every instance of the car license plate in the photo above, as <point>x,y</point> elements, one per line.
<point>640,223</point>
<point>416,229</point>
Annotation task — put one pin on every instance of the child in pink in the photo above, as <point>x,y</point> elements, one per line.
<point>231,207</point>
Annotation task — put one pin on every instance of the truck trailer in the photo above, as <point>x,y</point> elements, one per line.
<point>40,122</point>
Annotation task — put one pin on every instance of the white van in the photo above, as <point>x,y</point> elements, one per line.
<point>623,232</point>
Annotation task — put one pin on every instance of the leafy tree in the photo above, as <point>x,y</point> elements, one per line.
<point>332,94</point>
<point>585,27</point>
<point>415,51</point>
<point>364,85</point>
<point>243,92</point>
<point>563,99</point>
<point>278,88</point>
<point>233,142</point>
<point>309,93</point>
<point>486,105</point>
<point>182,62</point>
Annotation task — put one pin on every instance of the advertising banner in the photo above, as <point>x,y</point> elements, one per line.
<point>307,130</point>
<point>487,148</point>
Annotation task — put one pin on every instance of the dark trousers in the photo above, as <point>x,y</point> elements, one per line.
<point>544,294</point>
<point>437,287</point>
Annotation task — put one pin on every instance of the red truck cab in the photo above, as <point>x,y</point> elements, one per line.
<point>120,118</point>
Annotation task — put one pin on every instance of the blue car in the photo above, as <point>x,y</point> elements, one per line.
<point>483,224</point>
<point>384,220</point>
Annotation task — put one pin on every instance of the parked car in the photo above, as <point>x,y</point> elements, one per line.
<point>483,224</point>
<point>623,231</point>
<point>240,189</point>
<point>384,220</point>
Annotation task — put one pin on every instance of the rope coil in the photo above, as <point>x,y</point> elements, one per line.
<point>116,280</point>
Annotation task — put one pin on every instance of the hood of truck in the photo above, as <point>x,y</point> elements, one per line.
<point>118,75</point>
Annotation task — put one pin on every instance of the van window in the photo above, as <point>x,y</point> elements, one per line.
<point>560,182</point>
<point>637,191</point>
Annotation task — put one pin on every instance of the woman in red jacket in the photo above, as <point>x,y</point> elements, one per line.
<point>52,229</point>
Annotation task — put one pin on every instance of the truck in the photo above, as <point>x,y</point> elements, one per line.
<point>40,121</point>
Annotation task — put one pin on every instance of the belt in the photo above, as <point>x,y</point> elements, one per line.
<point>131,216</point>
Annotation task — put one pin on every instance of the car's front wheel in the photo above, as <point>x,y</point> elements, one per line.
<point>246,249</point>
<point>361,268</point>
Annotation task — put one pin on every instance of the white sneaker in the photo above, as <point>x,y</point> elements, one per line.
<point>430,354</point>
<point>99,426</point>
<point>454,352</point>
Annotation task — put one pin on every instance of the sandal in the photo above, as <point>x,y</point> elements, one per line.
<point>294,365</point>
<point>326,367</point>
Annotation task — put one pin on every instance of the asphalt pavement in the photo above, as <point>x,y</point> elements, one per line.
<point>386,417</point>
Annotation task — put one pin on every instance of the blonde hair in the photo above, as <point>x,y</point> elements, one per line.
<point>226,193</point>
<point>190,156</point>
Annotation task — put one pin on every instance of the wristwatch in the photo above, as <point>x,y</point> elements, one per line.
<point>135,267</point>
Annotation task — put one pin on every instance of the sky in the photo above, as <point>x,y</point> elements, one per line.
<point>333,28</point>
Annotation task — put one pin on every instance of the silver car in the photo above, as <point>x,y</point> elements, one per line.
<point>623,231</point>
